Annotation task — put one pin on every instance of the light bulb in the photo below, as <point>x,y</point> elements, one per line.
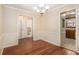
<point>47,7</point>
<point>63,14</point>
<point>41,5</point>
<point>73,13</point>
<point>35,8</point>
<point>43,11</point>
<point>38,10</point>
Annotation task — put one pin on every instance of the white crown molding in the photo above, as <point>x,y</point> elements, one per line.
<point>58,6</point>
<point>34,13</point>
<point>26,11</point>
<point>31,12</point>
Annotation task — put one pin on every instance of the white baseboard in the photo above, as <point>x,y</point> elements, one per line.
<point>10,44</point>
<point>10,39</point>
<point>52,38</point>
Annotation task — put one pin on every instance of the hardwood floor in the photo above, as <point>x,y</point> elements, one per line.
<point>29,47</point>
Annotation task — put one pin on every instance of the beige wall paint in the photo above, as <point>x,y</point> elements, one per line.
<point>10,27</point>
<point>0,24</point>
<point>36,27</point>
<point>1,28</point>
<point>49,28</point>
<point>12,24</point>
<point>0,19</point>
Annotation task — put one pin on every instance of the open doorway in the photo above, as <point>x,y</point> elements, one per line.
<point>68,29</point>
<point>25,27</point>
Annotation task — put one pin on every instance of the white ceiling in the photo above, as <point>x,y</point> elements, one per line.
<point>29,7</point>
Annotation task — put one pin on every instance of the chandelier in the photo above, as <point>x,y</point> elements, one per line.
<point>41,8</point>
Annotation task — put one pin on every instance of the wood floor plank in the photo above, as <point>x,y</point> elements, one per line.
<point>29,47</point>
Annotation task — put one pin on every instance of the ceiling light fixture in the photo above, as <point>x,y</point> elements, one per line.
<point>41,8</point>
<point>41,5</point>
<point>35,8</point>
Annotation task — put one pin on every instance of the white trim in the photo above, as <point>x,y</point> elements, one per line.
<point>23,10</point>
<point>31,12</point>
<point>76,28</point>
<point>50,42</point>
<point>52,9</point>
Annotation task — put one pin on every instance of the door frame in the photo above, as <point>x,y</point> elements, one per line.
<point>75,28</point>
<point>20,27</point>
